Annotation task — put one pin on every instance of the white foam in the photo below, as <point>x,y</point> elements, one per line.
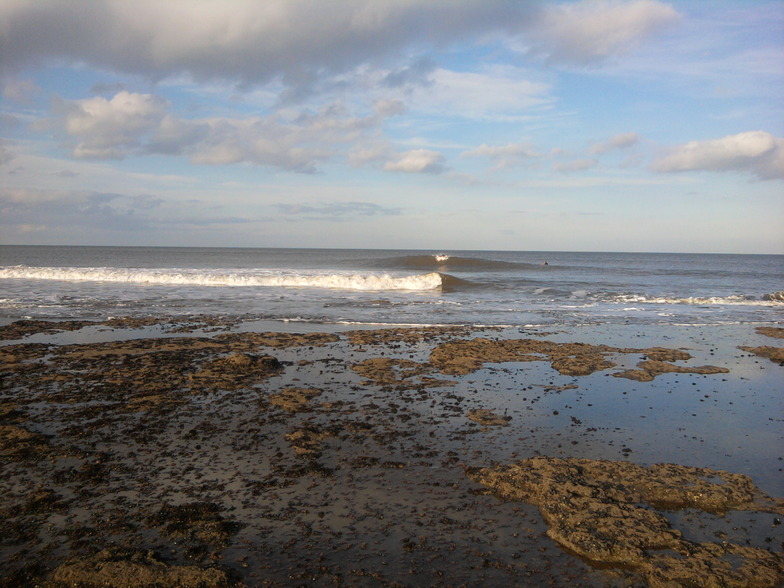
<point>363,282</point>
<point>695,300</point>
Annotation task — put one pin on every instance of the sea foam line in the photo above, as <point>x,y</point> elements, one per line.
<point>363,282</point>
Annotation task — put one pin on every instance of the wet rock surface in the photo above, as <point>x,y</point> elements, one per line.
<point>487,418</point>
<point>25,328</point>
<point>775,354</point>
<point>571,359</point>
<point>199,525</point>
<point>127,567</point>
<point>246,458</point>
<point>775,332</point>
<point>606,512</point>
<point>294,399</point>
<point>648,370</point>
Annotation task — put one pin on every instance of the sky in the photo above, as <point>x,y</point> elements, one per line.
<point>590,125</point>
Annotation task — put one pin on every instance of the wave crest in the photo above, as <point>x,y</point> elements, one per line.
<point>775,296</point>
<point>361,282</point>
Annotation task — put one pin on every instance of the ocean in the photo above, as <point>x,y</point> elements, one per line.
<point>391,287</point>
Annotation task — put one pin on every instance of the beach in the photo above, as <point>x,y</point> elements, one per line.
<point>197,450</point>
<point>397,293</point>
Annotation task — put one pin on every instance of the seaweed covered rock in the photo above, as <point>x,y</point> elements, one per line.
<point>487,418</point>
<point>235,370</point>
<point>198,525</point>
<point>775,354</point>
<point>117,567</point>
<point>606,512</point>
<point>651,368</point>
<point>19,443</point>
<point>569,359</point>
<point>293,399</point>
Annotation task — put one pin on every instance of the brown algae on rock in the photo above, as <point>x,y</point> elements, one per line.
<point>775,354</point>
<point>120,567</point>
<point>606,512</point>
<point>235,370</point>
<point>649,369</point>
<point>775,332</point>
<point>18,442</point>
<point>294,399</point>
<point>466,356</point>
<point>487,418</point>
<point>570,359</point>
<point>198,525</point>
<point>384,370</point>
<point>306,441</point>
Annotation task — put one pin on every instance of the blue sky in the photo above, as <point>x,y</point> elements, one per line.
<point>595,125</point>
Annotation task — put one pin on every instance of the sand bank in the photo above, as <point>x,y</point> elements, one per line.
<point>200,451</point>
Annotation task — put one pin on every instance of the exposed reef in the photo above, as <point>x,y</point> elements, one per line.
<point>227,457</point>
<point>609,512</point>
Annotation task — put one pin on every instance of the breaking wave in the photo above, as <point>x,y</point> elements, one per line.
<point>337,281</point>
<point>698,300</point>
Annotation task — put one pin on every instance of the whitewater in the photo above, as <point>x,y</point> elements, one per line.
<point>347,281</point>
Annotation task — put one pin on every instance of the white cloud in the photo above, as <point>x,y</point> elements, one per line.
<point>108,129</point>
<point>590,31</point>
<point>504,155</point>
<point>621,141</point>
<point>131,124</point>
<point>755,152</point>
<point>417,161</point>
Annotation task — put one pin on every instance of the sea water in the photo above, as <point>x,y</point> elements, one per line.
<point>391,287</point>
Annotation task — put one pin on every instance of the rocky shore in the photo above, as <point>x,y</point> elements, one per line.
<point>204,452</point>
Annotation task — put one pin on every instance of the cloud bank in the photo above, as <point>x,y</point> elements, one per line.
<point>298,41</point>
<point>142,124</point>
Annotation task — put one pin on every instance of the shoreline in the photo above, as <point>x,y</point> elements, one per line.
<point>271,458</point>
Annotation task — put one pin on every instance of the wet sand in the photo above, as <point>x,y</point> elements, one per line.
<point>205,452</point>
